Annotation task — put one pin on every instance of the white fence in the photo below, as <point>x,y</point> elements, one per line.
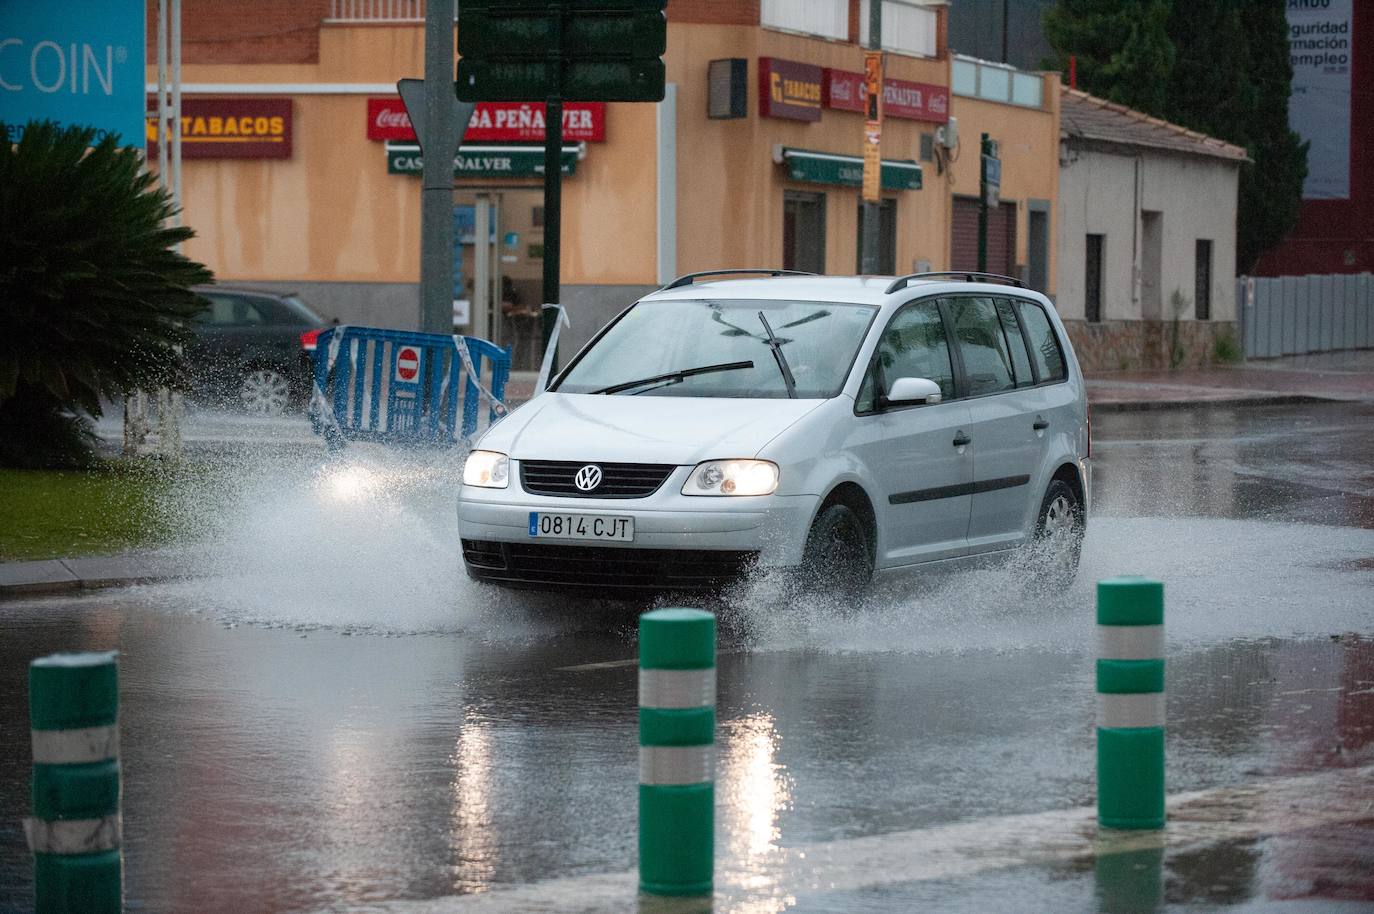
<point>1293,315</point>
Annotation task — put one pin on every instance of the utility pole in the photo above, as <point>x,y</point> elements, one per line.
<point>989,192</point>
<point>872,188</point>
<point>436,194</point>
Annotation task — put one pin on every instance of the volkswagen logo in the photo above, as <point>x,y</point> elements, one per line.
<point>588,478</point>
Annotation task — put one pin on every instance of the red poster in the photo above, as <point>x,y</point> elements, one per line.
<point>789,89</point>
<point>229,128</point>
<point>498,121</point>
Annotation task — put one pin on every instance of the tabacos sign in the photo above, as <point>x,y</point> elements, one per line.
<point>229,128</point>
<point>494,122</point>
<point>844,91</point>
<point>789,89</point>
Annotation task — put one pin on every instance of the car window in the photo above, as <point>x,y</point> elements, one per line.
<point>1016,344</point>
<point>819,340</point>
<point>229,311</point>
<point>280,313</point>
<point>1049,358</point>
<point>978,333</point>
<point>914,346</point>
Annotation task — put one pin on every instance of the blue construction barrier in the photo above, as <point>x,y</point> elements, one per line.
<point>401,387</point>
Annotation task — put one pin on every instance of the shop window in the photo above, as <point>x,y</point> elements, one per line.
<point>887,239</point>
<point>826,18</point>
<point>1202,284</point>
<point>1092,287</point>
<point>803,231</point>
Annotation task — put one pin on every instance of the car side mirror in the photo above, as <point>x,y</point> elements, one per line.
<point>912,392</point>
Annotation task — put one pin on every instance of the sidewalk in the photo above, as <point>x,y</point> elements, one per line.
<point>50,576</point>
<point>1327,376</point>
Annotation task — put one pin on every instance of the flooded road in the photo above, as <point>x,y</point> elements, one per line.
<point>338,720</point>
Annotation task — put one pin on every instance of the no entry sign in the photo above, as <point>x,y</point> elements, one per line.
<point>407,363</point>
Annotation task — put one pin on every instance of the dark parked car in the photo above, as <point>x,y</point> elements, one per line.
<point>252,349</point>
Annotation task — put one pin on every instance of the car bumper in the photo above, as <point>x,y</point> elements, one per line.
<point>680,542</point>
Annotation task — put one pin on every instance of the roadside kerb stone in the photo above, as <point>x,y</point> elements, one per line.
<point>46,576</point>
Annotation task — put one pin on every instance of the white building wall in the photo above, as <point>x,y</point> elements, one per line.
<point>1098,194</point>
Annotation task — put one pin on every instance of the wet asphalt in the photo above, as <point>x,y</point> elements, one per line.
<point>335,719</point>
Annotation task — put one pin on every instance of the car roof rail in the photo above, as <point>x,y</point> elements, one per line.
<point>689,278</point>
<point>902,282</point>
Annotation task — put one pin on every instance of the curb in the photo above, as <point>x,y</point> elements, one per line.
<point>1132,406</point>
<point>48,577</point>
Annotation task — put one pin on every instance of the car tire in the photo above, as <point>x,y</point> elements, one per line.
<point>838,558</point>
<point>265,392</point>
<point>1058,539</point>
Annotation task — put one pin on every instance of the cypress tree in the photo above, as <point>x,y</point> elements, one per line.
<point>1123,48</point>
<point>1271,184</point>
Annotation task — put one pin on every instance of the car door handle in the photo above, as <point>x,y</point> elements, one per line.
<point>1040,423</point>
<point>960,439</point>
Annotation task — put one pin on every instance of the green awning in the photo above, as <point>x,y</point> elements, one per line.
<point>848,171</point>
<point>478,161</point>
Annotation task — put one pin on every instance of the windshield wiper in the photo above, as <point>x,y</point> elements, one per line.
<point>775,344</point>
<point>677,377</point>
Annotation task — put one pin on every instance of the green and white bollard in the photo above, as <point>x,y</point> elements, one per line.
<point>75,829</point>
<point>677,732</point>
<point>1130,703</point>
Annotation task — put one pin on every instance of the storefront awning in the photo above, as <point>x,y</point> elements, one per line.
<point>848,171</point>
<point>484,161</point>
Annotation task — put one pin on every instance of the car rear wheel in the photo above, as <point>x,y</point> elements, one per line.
<point>265,392</point>
<point>1058,537</point>
<point>838,560</point>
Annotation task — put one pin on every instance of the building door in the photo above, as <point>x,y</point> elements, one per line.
<point>887,239</point>
<point>803,231</point>
<point>1151,245</point>
<point>502,268</point>
<point>1001,237</point>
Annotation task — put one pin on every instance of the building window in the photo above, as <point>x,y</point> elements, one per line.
<point>826,18</point>
<point>537,216</point>
<point>996,82</point>
<point>887,239</point>
<point>1202,291</point>
<point>803,231</point>
<point>908,27</point>
<point>1092,286</point>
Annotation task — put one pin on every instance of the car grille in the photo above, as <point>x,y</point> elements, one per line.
<point>618,480</point>
<point>548,566</point>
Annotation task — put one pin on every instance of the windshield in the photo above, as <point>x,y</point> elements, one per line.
<point>664,343</point>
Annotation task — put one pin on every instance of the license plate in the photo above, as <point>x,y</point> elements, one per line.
<point>605,527</point>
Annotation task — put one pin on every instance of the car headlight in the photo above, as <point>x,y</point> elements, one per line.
<point>732,477</point>
<point>487,469</point>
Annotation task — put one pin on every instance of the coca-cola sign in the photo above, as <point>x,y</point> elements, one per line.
<point>494,121</point>
<point>845,91</point>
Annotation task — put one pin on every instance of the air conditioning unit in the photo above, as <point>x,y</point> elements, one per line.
<point>947,135</point>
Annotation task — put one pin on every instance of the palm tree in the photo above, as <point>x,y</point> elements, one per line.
<point>94,297</point>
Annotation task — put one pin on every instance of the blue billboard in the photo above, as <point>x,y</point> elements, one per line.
<point>77,62</point>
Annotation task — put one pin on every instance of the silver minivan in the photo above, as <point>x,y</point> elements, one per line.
<point>838,427</point>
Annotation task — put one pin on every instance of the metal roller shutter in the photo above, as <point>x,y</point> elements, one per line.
<point>1001,237</point>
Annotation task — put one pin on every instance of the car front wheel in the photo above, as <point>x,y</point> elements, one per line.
<point>838,560</point>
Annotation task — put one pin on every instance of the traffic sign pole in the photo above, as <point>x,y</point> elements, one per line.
<point>553,216</point>
<point>983,205</point>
